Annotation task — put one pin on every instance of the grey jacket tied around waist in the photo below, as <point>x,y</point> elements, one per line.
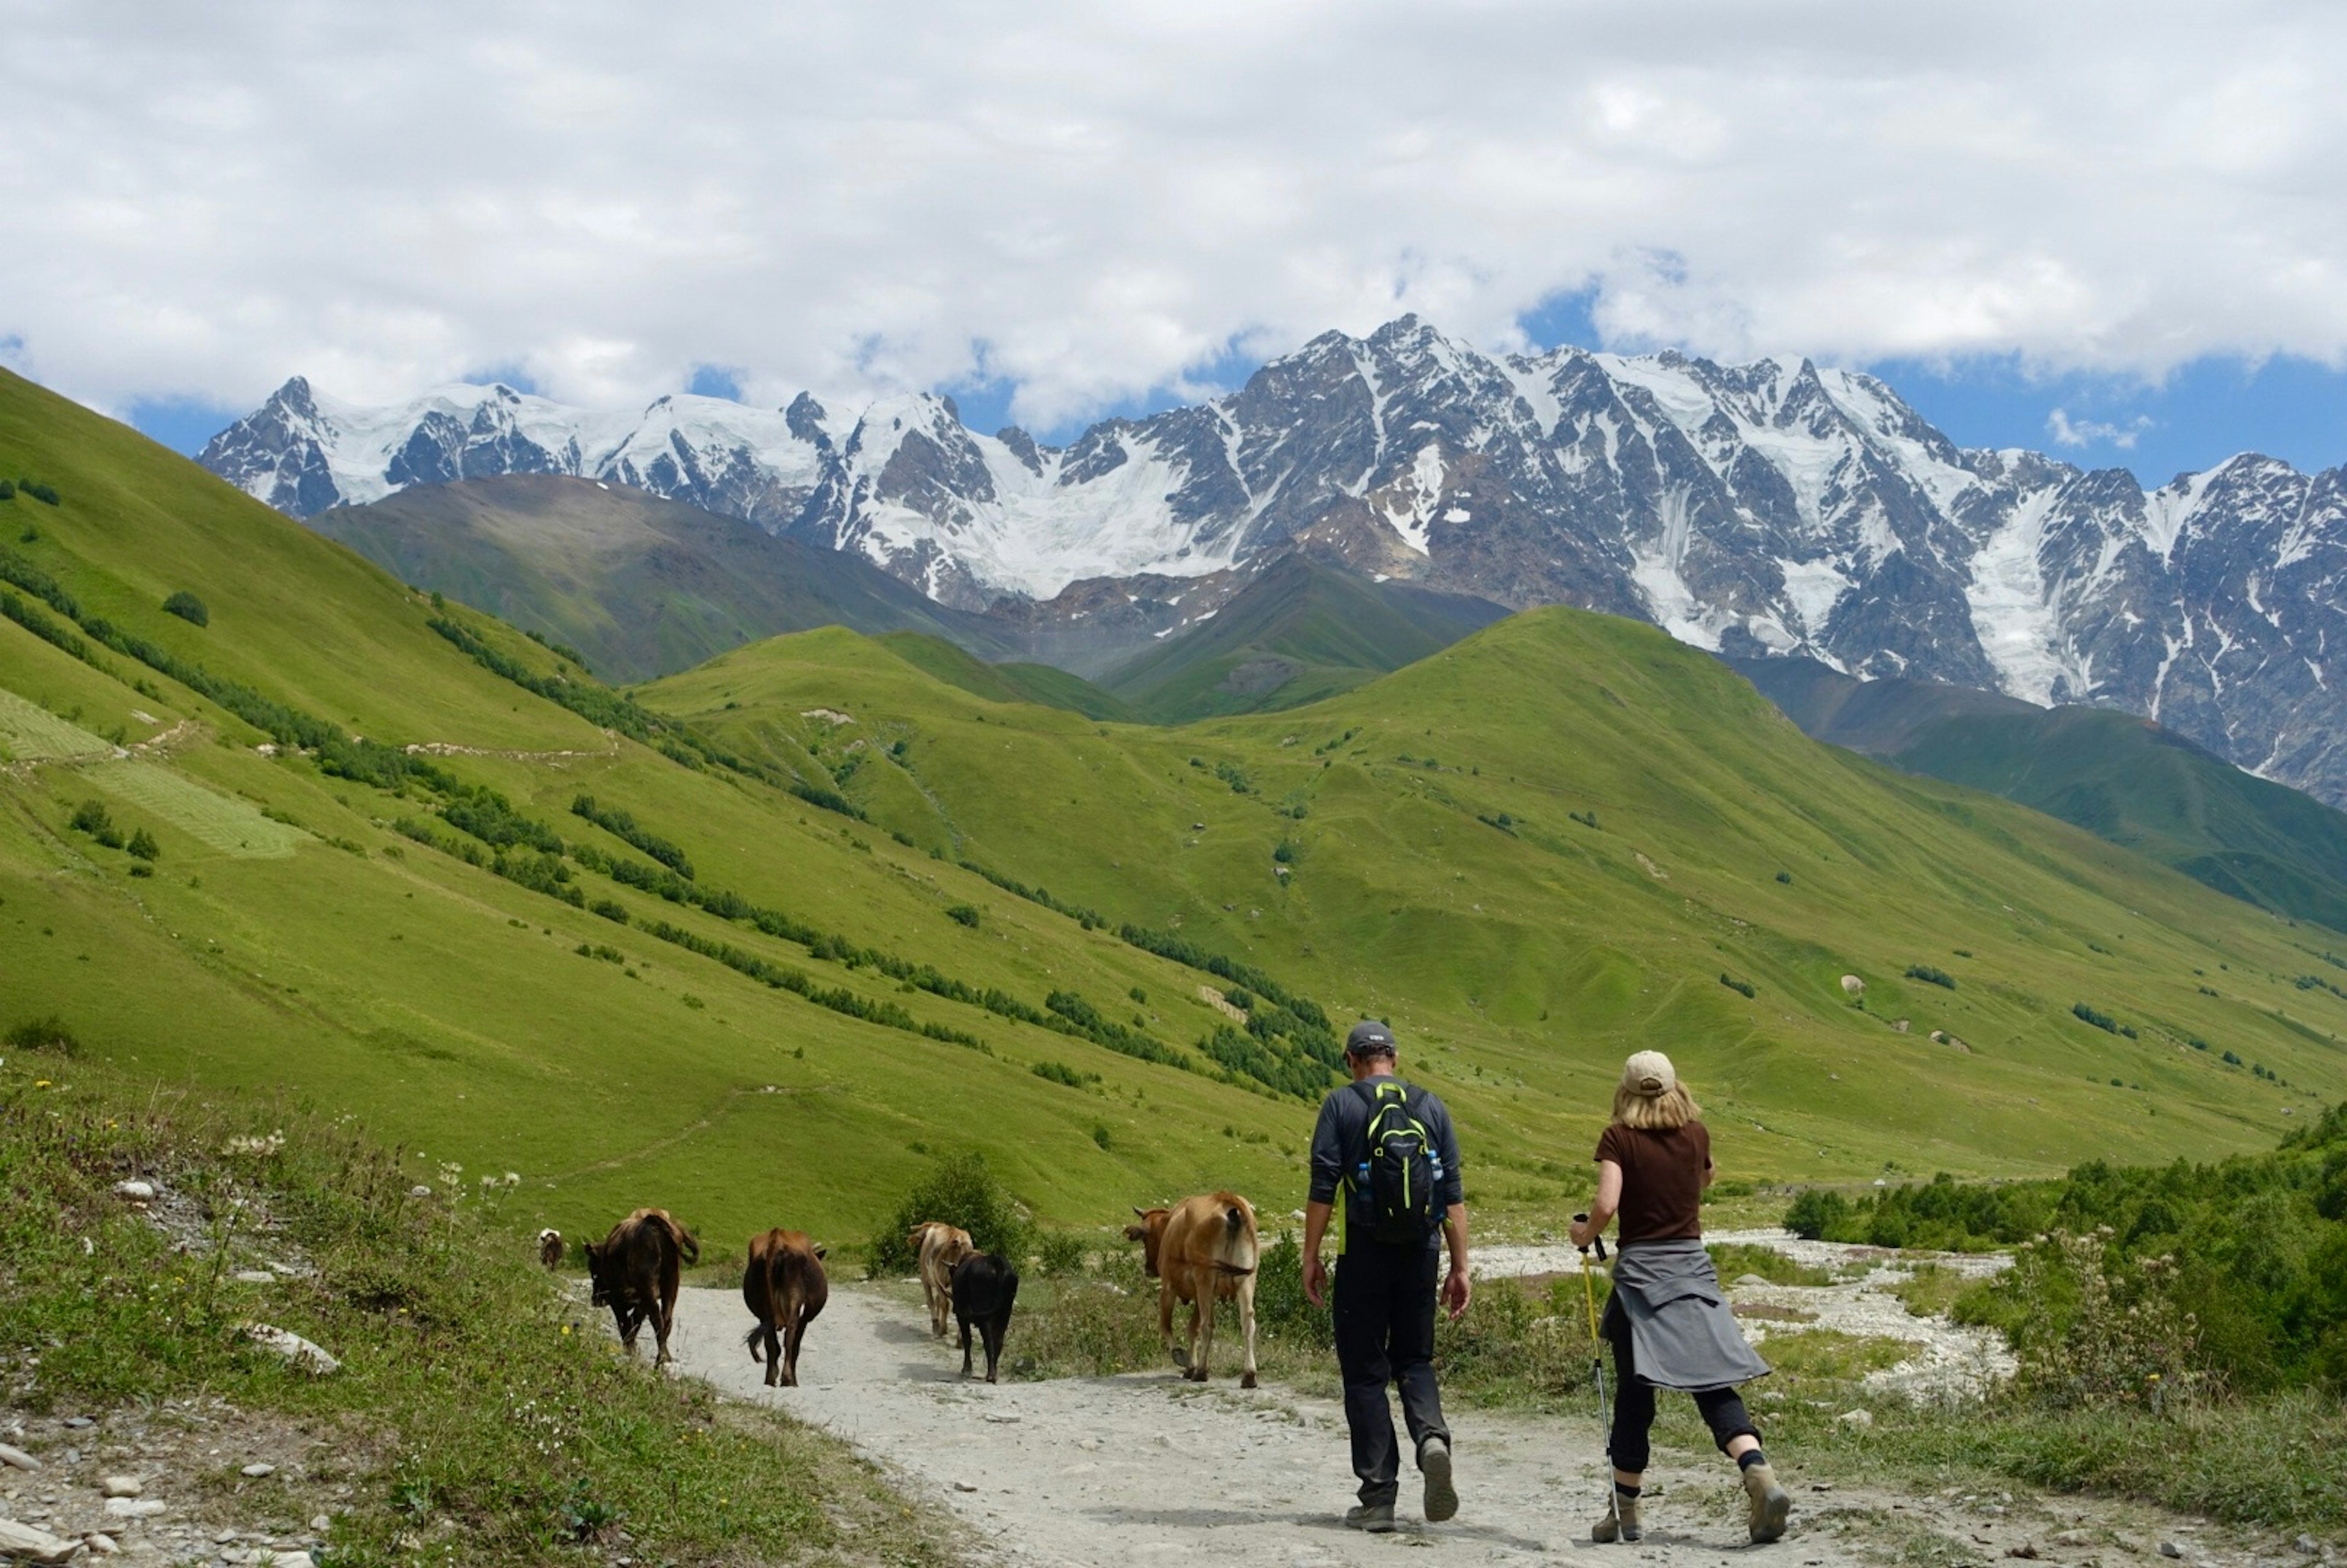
<point>1668,1299</point>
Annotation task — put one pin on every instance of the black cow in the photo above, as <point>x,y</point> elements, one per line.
<point>984,1286</point>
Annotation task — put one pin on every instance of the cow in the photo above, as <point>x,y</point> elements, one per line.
<point>550,1248</point>
<point>939,1247</point>
<point>984,1287</point>
<point>634,1270</point>
<point>1202,1250</point>
<point>784,1286</point>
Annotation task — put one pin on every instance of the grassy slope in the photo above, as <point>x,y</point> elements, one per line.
<point>1298,633</point>
<point>447,1005</point>
<point>642,586</point>
<point>1011,683</point>
<point>1522,965</point>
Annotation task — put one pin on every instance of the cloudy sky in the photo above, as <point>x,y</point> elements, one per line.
<point>2114,230</point>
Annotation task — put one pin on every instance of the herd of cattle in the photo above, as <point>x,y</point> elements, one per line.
<point>1200,1251</point>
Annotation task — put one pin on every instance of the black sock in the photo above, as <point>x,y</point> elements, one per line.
<point>1747,1461</point>
<point>1629,1491</point>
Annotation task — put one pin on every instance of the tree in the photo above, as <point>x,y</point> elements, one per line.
<point>187,608</point>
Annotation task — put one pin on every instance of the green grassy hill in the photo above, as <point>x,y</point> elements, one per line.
<point>642,586</point>
<point>1297,633</point>
<point>1535,851</point>
<point>2112,774</point>
<point>1012,682</point>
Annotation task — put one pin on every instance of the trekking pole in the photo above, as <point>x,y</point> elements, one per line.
<point>1597,1370</point>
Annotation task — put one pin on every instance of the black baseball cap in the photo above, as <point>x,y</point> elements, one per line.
<point>1369,1038</point>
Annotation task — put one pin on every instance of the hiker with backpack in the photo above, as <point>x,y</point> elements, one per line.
<point>1386,1149</point>
<point>1668,1318</point>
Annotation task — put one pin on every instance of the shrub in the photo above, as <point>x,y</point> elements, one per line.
<point>7,490</point>
<point>965,914</point>
<point>1101,1135</point>
<point>960,1191</point>
<point>1061,1072</point>
<point>1733,984</point>
<point>1931,976</point>
<point>48,1033</point>
<point>143,846</point>
<point>1786,877</point>
<point>1815,1214</point>
<point>2095,1015</point>
<point>1137,994</point>
<point>610,909</point>
<point>187,608</point>
<point>92,817</point>
<point>1060,1253</point>
<point>46,494</point>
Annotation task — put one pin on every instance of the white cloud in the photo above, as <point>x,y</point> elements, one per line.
<point>1092,199</point>
<point>2069,432</point>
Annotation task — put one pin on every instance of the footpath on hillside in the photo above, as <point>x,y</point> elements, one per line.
<point>1146,1468</point>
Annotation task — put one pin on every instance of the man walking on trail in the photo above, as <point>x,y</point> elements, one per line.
<point>1386,1147</point>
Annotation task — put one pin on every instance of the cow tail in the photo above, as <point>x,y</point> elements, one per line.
<point>686,1246</point>
<point>752,1339</point>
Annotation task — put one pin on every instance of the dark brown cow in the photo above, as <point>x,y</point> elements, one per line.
<point>550,1248</point>
<point>784,1286</point>
<point>984,1287</point>
<point>635,1270</point>
<point>1200,1251</point>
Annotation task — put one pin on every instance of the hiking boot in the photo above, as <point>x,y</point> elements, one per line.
<point>1770,1506</point>
<point>1621,1523</point>
<point>1442,1497</point>
<point>1376,1518</point>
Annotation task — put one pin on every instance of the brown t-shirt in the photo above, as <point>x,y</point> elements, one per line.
<point>1662,1179</point>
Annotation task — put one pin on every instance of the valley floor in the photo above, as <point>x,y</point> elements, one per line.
<point>1145,1468</point>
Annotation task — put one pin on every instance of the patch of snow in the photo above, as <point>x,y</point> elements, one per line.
<point>1813,588</point>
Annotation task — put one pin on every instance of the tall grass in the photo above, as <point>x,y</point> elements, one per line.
<point>492,1413</point>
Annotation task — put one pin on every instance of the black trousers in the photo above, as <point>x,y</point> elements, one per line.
<point>1633,1412</point>
<point>1384,1310</point>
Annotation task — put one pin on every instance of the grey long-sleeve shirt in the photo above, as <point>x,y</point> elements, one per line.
<point>1340,1142</point>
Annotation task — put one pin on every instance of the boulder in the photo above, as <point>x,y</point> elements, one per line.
<point>1860,1419</point>
<point>100,1544</point>
<point>28,1544</point>
<point>133,1507</point>
<point>296,1349</point>
<point>137,1192</point>
<point>255,1471</point>
<point>1902,1025</point>
<point>1851,986</point>
<point>122,1486</point>
<point>16,1458</point>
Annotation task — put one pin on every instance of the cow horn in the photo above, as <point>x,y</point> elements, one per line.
<point>1143,1213</point>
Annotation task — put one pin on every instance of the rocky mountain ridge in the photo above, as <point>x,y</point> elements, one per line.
<point>1769,508</point>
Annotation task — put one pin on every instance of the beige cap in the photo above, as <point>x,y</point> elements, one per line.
<point>1649,1074</point>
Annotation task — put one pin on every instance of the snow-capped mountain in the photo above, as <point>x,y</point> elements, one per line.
<point>1771,508</point>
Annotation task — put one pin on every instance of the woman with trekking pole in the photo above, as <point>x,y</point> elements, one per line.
<point>1668,1319</point>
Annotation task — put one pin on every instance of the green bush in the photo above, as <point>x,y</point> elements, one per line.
<point>964,913</point>
<point>48,1033</point>
<point>92,817</point>
<point>1061,1072</point>
<point>1060,1253</point>
<point>2085,1013</point>
<point>1931,976</point>
<point>143,846</point>
<point>962,1192</point>
<point>1744,988</point>
<point>46,494</point>
<point>187,608</point>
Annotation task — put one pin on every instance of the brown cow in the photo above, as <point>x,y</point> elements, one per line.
<point>784,1286</point>
<point>939,1246</point>
<point>550,1248</point>
<point>1201,1251</point>
<point>635,1270</point>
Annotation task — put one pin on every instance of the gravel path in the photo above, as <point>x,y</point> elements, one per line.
<point>1145,1468</point>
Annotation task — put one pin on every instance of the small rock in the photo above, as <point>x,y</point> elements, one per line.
<point>1003,1420</point>
<point>100,1544</point>
<point>1745,1279</point>
<point>28,1544</point>
<point>78,1423</point>
<point>2027,1549</point>
<point>290,1346</point>
<point>17,1459</point>
<point>256,1470</point>
<point>2170,1550</point>
<point>133,1507</point>
<point>1856,1418</point>
<point>122,1486</point>
<point>291,1560</point>
<point>963,1486</point>
<point>320,1525</point>
<point>2308,1545</point>
<point>2075,1537</point>
<point>255,1277</point>
<point>419,1191</point>
<point>137,1192</point>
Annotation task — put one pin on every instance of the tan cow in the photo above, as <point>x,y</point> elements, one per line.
<point>939,1246</point>
<point>784,1286</point>
<point>1202,1250</point>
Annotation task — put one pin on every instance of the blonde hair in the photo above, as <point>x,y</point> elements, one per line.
<point>1650,1096</point>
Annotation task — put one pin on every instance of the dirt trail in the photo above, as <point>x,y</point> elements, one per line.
<point>1145,1468</point>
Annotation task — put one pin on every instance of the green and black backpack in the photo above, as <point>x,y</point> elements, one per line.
<point>1395,1184</point>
